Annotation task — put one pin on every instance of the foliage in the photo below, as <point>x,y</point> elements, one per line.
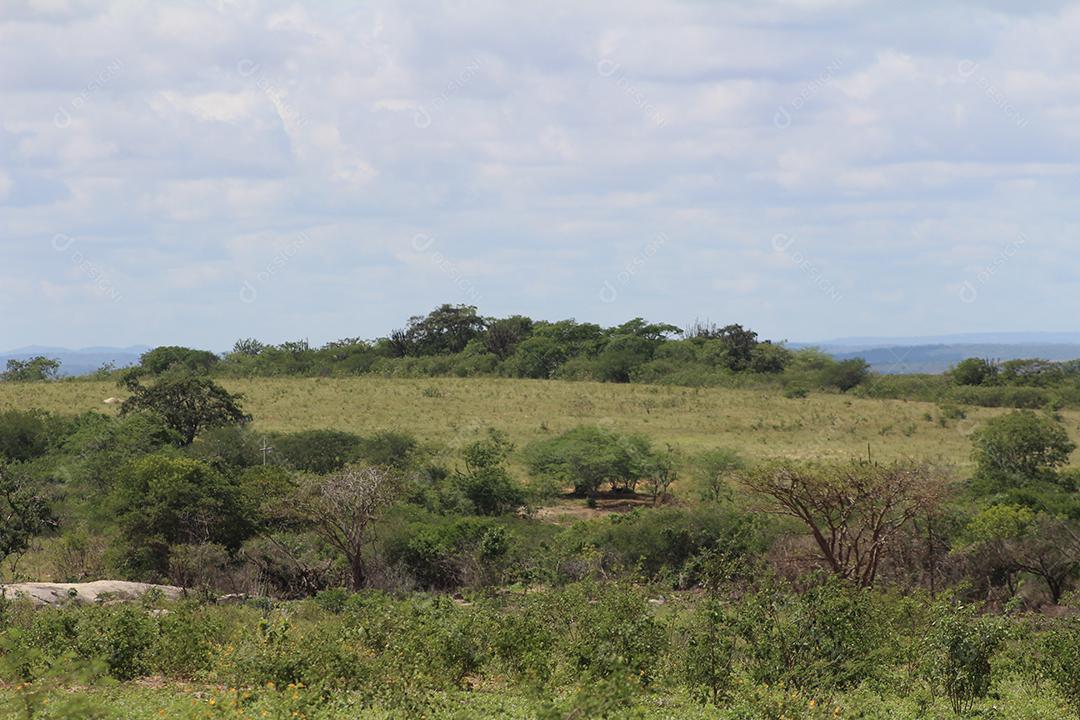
<point>960,646</point>
<point>35,369</point>
<point>315,451</point>
<point>24,512</point>
<point>1063,661</point>
<point>1020,447</point>
<point>162,500</point>
<point>485,481</point>
<point>587,457</point>
<point>188,403</point>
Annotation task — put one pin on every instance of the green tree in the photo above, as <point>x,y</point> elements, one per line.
<point>709,654</point>
<point>503,335</point>
<point>713,471</point>
<point>446,330</point>
<point>24,512</point>
<point>586,457</point>
<point>315,451</point>
<point>161,359</point>
<point>162,500</point>
<point>187,402</point>
<point>846,374</point>
<point>35,369</point>
<point>974,371</point>
<point>27,434</point>
<point>1018,540</point>
<point>1020,447</point>
<point>1063,660</point>
<point>485,481</point>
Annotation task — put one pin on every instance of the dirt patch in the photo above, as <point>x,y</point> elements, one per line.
<point>569,510</point>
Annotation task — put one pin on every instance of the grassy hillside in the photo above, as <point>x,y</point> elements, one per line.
<point>451,411</point>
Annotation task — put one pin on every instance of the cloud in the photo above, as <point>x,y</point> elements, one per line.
<point>188,145</point>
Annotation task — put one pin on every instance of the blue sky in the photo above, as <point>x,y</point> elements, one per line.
<point>196,171</point>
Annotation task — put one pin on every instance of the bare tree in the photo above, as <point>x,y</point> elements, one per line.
<point>854,511</point>
<point>344,505</point>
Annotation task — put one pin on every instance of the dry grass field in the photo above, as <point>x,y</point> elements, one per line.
<point>449,412</point>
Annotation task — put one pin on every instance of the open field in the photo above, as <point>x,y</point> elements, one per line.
<point>451,411</point>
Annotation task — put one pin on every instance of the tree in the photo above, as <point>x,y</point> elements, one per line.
<point>846,374</point>
<point>24,512</point>
<point>161,359</point>
<point>27,434</point>
<point>446,330</point>
<point>1017,448</point>
<point>1063,660</point>
<point>342,507</point>
<point>769,358</point>
<point>485,479</point>
<point>974,371</point>
<point>163,501</point>
<point>35,369</point>
<point>660,474</point>
<point>854,511</point>
<point>538,357</point>
<point>712,471</point>
<point>587,457</point>
<point>248,346</point>
<point>503,335</point>
<point>188,403</point>
<point>736,343</point>
<point>1018,540</point>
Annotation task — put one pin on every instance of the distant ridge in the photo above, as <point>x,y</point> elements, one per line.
<point>987,338</point>
<point>80,361</point>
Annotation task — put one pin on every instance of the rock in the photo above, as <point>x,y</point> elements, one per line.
<point>54,594</point>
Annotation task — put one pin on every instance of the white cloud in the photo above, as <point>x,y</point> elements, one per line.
<point>890,140</point>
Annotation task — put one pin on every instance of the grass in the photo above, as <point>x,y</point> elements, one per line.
<point>450,411</point>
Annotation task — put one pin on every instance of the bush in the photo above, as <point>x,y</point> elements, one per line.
<point>1063,661</point>
<point>390,448</point>
<point>846,375</point>
<point>828,637</point>
<point>28,434</point>
<point>960,646</point>
<point>316,451</point>
<point>163,501</point>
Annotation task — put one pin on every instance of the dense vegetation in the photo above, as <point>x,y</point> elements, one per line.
<point>380,573</point>
<point>456,341</point>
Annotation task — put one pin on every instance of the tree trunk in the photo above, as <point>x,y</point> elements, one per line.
<point>357,573</point>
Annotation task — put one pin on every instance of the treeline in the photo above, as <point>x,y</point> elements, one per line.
<point>457,341</point>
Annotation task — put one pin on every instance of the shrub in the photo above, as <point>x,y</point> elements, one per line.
<point>316,451</point>
<point>1063,661</point>
<point>960,646</point>
<point>28,434</point>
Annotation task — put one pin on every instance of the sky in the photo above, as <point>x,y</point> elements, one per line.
<point>197,171</point>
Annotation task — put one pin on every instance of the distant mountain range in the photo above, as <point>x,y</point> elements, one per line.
<point>892,355</point>
<point>78,362</point>
<point>936,354</point>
